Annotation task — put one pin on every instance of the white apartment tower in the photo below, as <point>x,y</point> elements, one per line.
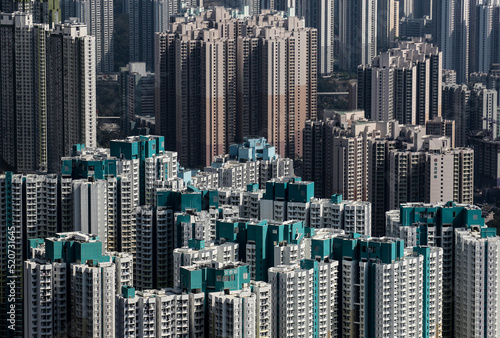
<point>98,16</point>
<point>299,304</point>
<point>320,15</point>
<point>24,92</point>
<point>211,251</point>
<point>477,266</point>
<point>384,288</point>
<point>395,296</point>
<point>93,299</point>
<point>38,299</point>
<point>357,33</point>
<point>350,216</point>
<point>451,34</point>
<point>71,91</point>
<point>403,83</point>
<point>292,296</point>
<point>232,314</point>
<point>159,313</point>
<point>90,214</point>
<point>264,315</point>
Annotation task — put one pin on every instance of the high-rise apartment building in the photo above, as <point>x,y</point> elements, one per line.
<point>383,288</point>
<point>403,83</point>
<point>386,163</point>
<point>232,314</point>
<point>434,225</point>
<point>93,299</point>
<point>69,286</point>
<point>258,77</point>
<point>476,277</point>
<point>43,11</point>
<point>137,93</point>
<point>437,175</point>
<point>71,91</point>
<point>387,24</point>
<point>487,35</point>
<point>483,110</point>
<point>451,19</point>
<point>320,15</point>
<point>98,16</point>
<point>23,107</point>
<point>334,213</point>
<point>28,211</point>
<point>90,212</point>
<point>486,160</point>
<point>441,127</point>
<point>299,304</point>
<point>491,79</point>
<point>474,108</point>
<point>456,105</point>
<point>198,251</point>
<point>358,28</point>
<point>339,146</point>
<point>55,107</point>
<point>145,19</point>
<point>159,313</point>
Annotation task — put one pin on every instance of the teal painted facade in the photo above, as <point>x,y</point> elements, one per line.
<point>336,198</point>
<point>196,244</point>
<point>321,248</point>
<point>293,191</point>
<point>252,149</point>
<point>128,291</point>
<point>132,148</point>
<point>313,264</point>
<point>265,235</point>
<point>425,253</point>
<point>141,148</point>
<point>212,279</point>
<point>439,215</point>
<point>70,251</point>
<point>192,198</point>
<point>78,168</point>
<point>233,232</point>
<point>357,248</point>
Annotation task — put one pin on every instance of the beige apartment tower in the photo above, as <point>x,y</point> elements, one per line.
<point>220,79</point>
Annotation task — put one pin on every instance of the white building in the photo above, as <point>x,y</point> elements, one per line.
<point>38,299</point>
<point>232,314</point>
<point>477,264</point>
<point>320,15</point>
<point>136,314</point>
<point>124,264</point>
<point>179,312</point>
<point>263,316</point>
<point>293,296</point>
<point>299,304</point>
<point>93,299</point>
<point>209,251</point>
<point>395,296</point>
<point>350,216</point>
<point>403,83</point>
<point>357,33</point>
<point>90,212</point>
<point>98,16</point>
